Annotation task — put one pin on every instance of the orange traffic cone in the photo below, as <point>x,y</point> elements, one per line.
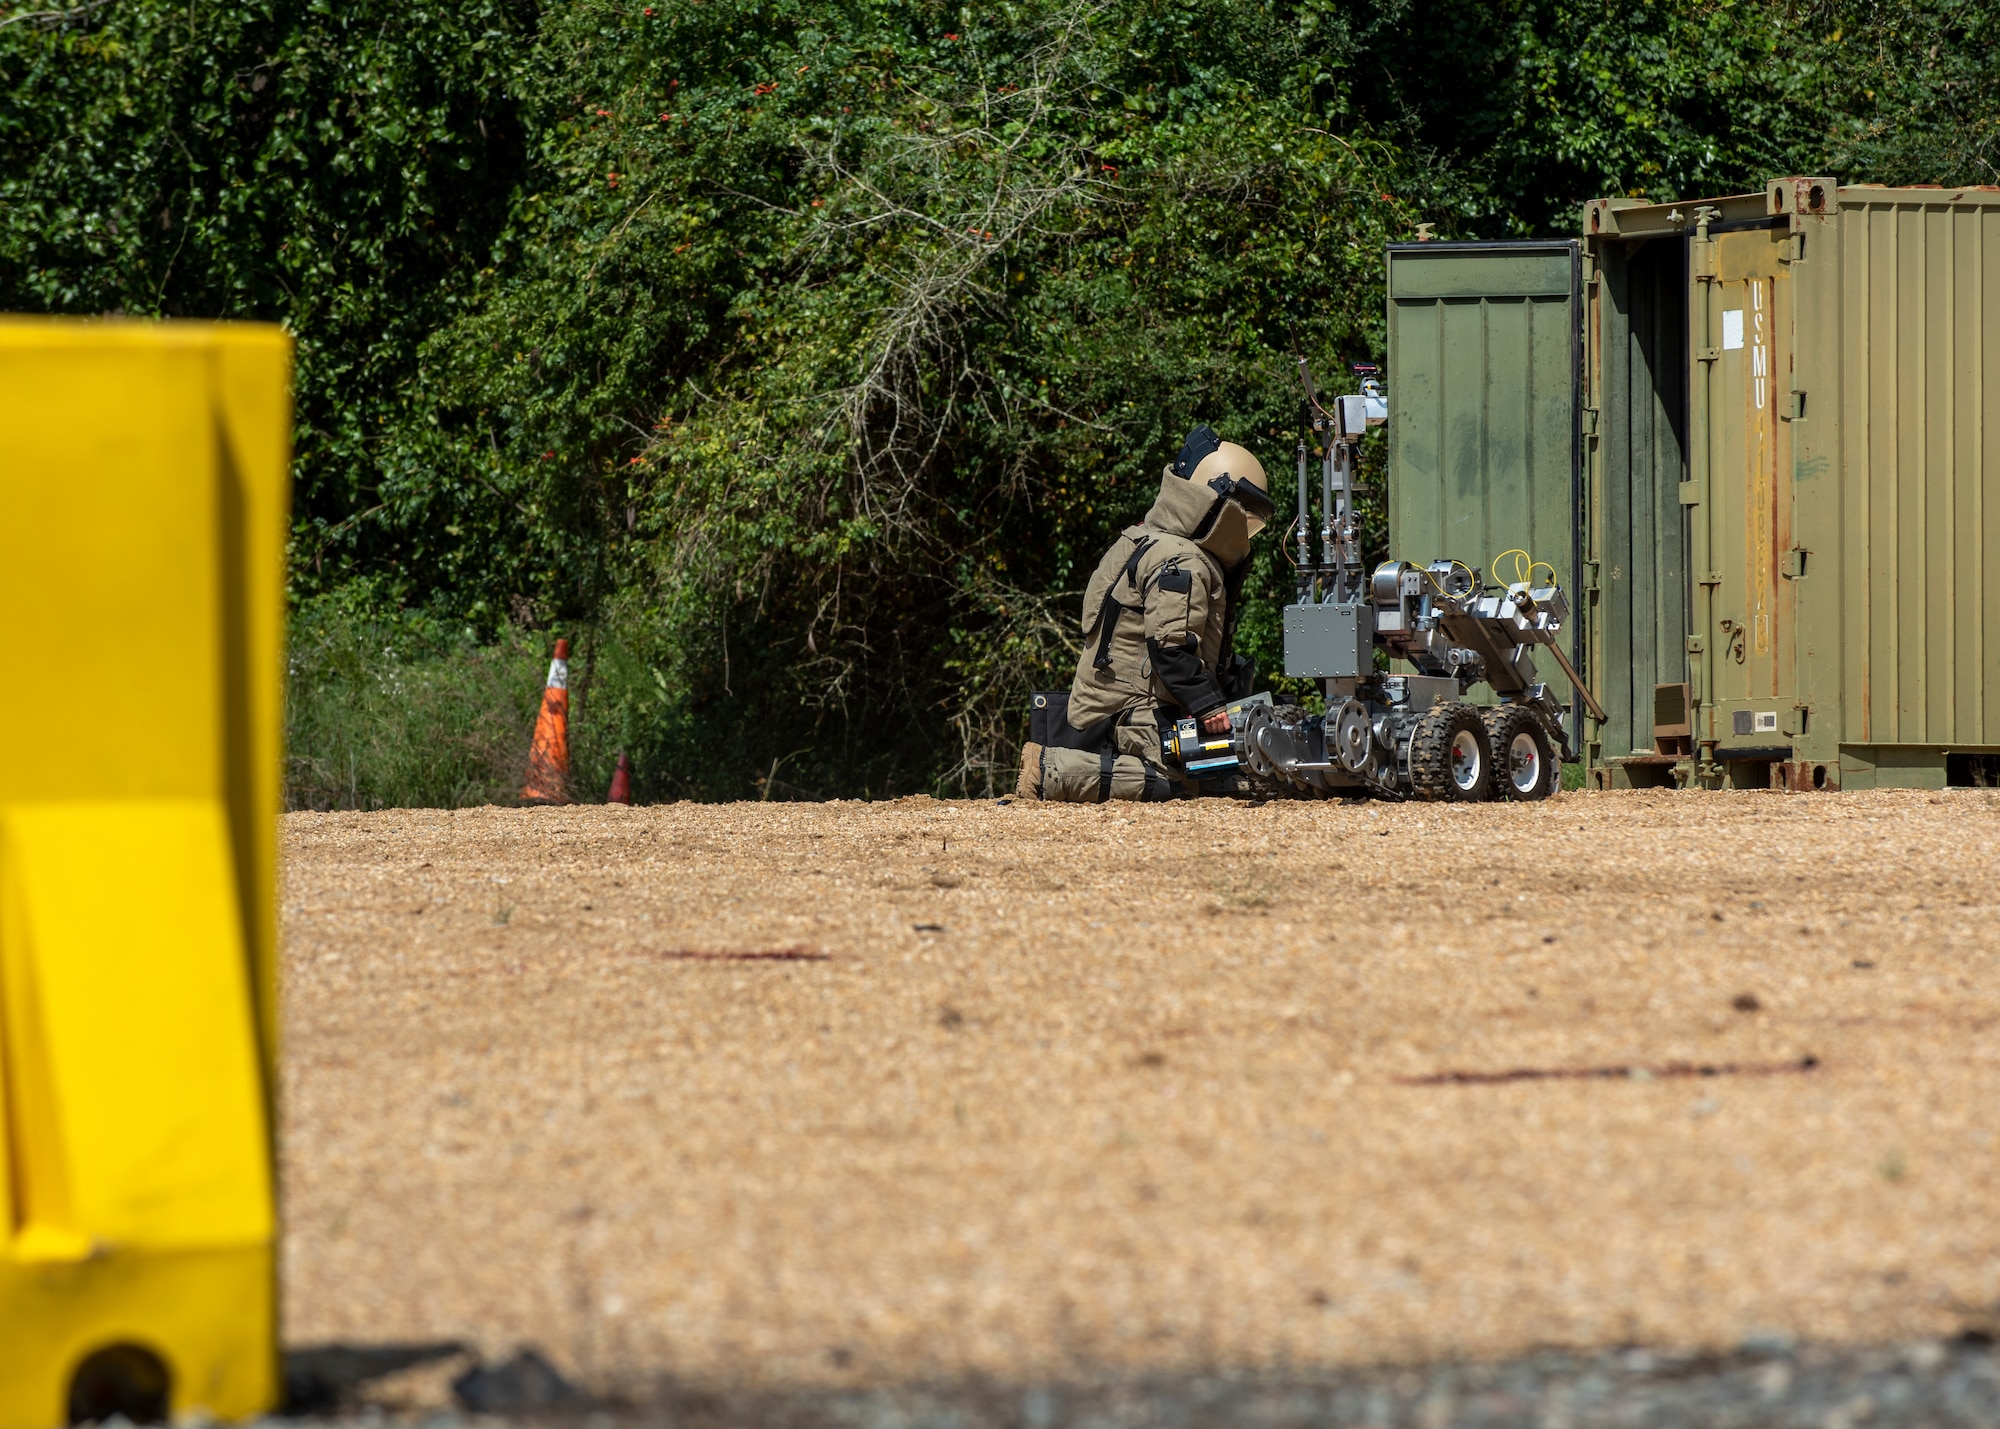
<point>621,782</point>
<point>548,759</point>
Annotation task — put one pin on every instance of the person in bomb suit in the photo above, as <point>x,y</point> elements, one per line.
<point>1159,620</point>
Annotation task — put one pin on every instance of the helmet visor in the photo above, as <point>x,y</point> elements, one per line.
<point>1252,500</point>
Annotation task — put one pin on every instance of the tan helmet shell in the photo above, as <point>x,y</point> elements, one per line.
<point>1229,459</point>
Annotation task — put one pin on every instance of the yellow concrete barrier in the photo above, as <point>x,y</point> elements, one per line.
<point>143,509</point>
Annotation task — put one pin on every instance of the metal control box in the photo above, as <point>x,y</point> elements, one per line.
<point>1329,642</point>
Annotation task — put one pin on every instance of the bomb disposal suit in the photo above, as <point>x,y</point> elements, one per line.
<point>1158,620</point>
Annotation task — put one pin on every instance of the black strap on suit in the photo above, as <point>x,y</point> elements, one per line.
<point>1107,615</point>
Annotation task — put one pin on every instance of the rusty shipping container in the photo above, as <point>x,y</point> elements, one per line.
<point>1792,477</point>
<point>1785,474</point>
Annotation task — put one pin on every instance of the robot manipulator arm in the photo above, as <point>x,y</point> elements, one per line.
<point>1405,626</point>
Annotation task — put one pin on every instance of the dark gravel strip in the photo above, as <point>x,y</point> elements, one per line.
<point>1778,1385</point>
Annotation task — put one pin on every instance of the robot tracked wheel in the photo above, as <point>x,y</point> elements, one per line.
<point>1353,734</point>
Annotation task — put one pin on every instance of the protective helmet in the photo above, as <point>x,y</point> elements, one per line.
<point>1216,494</point>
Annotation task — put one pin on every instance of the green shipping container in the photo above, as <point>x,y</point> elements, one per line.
<point>1483,372</point>
<point>1782,494</point>
<point>1792,473</point>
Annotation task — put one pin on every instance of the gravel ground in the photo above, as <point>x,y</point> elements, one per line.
<point>1186,1113</point>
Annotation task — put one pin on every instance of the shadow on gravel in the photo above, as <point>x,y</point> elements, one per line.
<point>323,1379</point>
<point>1771,1384</point>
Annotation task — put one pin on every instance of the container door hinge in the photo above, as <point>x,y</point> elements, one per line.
<point>1795,410</point>
<point>1701,261</point>
<point>1797,719</point>
<point>1695,644</point>
<point>1795,563</point>
<point>1708,354</point>
<point>1589,416</point>
<point>1709,578</point>
<point>1690,494</point>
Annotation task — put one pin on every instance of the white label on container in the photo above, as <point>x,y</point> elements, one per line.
<point>1766,722</point>
<point>1732,328</point>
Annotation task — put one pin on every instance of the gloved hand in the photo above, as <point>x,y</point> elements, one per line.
<point>1215,722</point>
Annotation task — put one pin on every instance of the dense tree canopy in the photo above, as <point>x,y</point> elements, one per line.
<point>803,357</point>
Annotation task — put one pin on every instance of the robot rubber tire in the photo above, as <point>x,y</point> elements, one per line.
<point>1451,758</point>
<point>1525,766</point>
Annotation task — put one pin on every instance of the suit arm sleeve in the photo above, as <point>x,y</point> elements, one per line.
<point>1179,668</point>
<point>1181,598</point>
<point>1178,598</point>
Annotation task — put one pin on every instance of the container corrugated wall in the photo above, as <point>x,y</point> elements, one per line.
<point>1916,333</point>
<point>1482,424</point>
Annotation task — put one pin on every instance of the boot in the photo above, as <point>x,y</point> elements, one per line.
<point>1030,785</point>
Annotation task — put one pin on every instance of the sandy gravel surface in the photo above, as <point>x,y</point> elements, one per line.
<point>1039,1091</point>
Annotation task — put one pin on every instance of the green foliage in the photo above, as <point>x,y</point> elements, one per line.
<point>947,301</point>
<point>1541,104</point>
<point>398,711</point>
<point>342,168</point>
<point>799,361</point>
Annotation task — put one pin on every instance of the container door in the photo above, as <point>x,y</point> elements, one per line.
<point>1741,311</point>
<point>1484,360</point>
<point>1638,633</point>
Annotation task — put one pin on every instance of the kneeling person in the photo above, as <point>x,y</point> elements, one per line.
<point>1159,622</point>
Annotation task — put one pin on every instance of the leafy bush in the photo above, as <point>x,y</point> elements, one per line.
<point>948,299</point>
<point>1540,104</point>
<point>387,712</point>
<point>798,361</point>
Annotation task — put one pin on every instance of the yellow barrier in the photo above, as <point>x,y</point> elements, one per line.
<point>143,512</point>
